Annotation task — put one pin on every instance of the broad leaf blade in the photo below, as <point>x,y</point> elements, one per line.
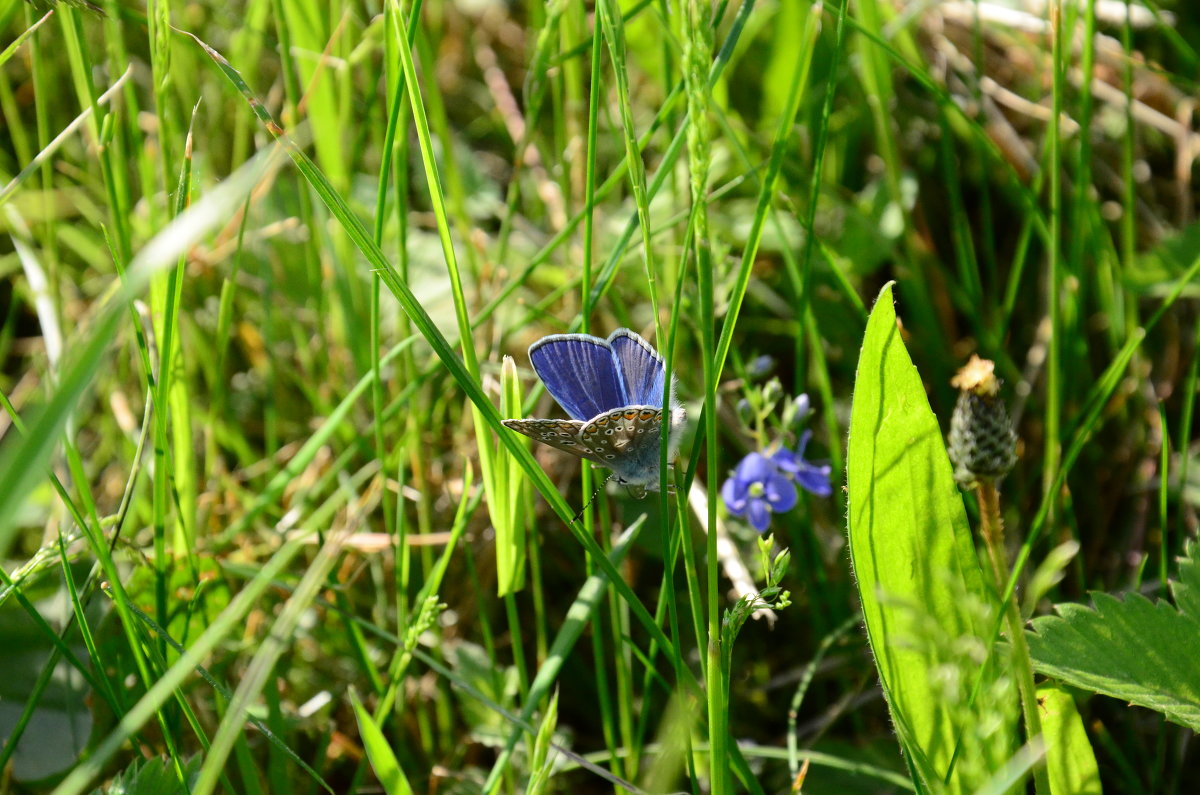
<point>1133,649</point>
<point>909,539</point>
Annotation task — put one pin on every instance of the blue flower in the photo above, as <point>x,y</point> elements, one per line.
<point>757,489</point>
<point>811,477</point>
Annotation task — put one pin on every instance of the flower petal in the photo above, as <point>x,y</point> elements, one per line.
<point>816,480</point>
<point>780,493</point>
<point>733,494</point>
<point>786,460</point>
<point>759,515</point>
<point>802,444</point>
<point>754,467</point>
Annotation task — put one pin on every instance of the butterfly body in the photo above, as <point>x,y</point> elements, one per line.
<point>613,389</point>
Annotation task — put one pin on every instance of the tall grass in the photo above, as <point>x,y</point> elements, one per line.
<point>258,515</point>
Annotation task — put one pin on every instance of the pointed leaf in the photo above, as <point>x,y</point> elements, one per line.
<point>909,539</point>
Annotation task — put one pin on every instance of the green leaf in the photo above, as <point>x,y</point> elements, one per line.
<point>1133,649</point>
<point>155,776</point>
<point>311,35</point>
<point>383,761</point>
<point>1070,761</point>
<point>909,541</point>
<point>61,721</point>
<point>479,670</point>
<point>1154,272</point>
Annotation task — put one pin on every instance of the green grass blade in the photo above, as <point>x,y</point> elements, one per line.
<point>145,709</point>
<point>20,39</point>
<point>226,693</point>
<point>43,157</point>
<point>383,761</point>
<point>27,457</point>
<point>578,616</point>
<point>416,312</point>
<point>262,664</point>
<point>766,192</point>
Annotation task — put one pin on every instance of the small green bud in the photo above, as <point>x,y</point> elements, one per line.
<point>745,411</point>
<point>772,391</point>
<point>779,567</point>
<point>797,411</point>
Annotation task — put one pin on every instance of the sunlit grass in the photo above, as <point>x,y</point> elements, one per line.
<point>258,513</point>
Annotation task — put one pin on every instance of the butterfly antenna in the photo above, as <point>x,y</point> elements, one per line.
<point>592,499</point>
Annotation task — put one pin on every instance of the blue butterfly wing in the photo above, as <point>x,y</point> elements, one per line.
<point>580,371</point>
<point>642,369</point>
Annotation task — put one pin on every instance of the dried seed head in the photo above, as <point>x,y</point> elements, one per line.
<point>978,376</point>
<point>982,444</point>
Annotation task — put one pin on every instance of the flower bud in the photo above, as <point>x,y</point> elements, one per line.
<point>799,408</point>
<point>745,411</point>
<point>760,366</point>
<point>982,443</point>
<point>772,391</point>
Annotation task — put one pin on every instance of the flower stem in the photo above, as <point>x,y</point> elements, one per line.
<point>992,530</point>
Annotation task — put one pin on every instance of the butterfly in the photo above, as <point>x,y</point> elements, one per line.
<point>613,391</point>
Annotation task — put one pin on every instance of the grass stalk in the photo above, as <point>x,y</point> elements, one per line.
<point>991,526</point>
<point>694,30</point>
<point>1052,418</point>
